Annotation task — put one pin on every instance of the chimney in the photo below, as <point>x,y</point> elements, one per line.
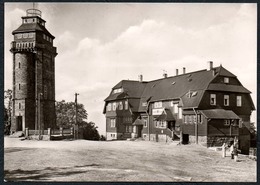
<point>210,65</point>
<point>177,72</point>
<point>165,75</point>
<point>184,70</point>
<point>140,78</point>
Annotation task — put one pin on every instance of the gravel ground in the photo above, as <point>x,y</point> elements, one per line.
<point>140,161</point>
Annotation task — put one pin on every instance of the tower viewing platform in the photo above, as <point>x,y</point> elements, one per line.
<point>33,12</point>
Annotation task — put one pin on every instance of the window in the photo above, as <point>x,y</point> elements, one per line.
<point>144,104</point>
<point>227,122</point>
<point>19,86</point>
<point>19,65</point>
<point>128,128</point>
<point>117,90</point>
<point>109,107</point>
<point>144,136</point>
<point>20,106</point>
<point>44,36</point>
<point>126,105</point>
<point>239,101</point>
<point>160,124</point>
<point>112,123</point>
<point>199,118</point>
<point>190,119</point>
<point>194,118</point>
<point>113,135</point>
<point>226,80</point>
<point>120,105</point>
<point>180,113</point>
<point>114,106</point>
<point>145,122</point>
<point>212,99</point>
<point>185,118</point>
<point>226,100</point>
<point>175,108</point>
<point>158,104</point>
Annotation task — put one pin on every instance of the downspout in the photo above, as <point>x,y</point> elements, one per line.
<point>148,120</point>
<point>196,126</point>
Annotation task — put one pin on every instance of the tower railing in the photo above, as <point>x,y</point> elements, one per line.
<point>33,12</point>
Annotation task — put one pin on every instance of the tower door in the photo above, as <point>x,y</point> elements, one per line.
<point>19,123</point>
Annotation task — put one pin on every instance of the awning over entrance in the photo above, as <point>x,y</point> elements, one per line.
<point>219,114</point>
<point>138,122</point>
<point>165,116</point>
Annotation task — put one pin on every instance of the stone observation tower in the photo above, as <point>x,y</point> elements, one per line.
<point>33,75</point>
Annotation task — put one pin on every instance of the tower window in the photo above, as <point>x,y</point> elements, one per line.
<point>19,65</point>
<point>20,106</point>
<point>226,100</point>
<point>19,86</point>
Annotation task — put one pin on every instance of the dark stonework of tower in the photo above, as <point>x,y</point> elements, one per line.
<point>33,75</point>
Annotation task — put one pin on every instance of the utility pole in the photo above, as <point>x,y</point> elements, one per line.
<point>76,117</point>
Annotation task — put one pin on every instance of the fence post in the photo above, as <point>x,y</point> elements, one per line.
<point>61,131</point>
<point>26,132</point>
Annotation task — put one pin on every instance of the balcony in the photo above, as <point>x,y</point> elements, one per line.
<point>22,46</point>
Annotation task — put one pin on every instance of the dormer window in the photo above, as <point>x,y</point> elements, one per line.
<point>226,80</point>
<point>118,90</point>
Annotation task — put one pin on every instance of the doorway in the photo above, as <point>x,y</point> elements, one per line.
<point>19,123</point>
<point>185,138</point>
<point>139,130</point>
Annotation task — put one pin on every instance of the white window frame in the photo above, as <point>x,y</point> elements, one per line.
<point>158,104</point>
<point>109,107</point>
<point>226,80</point>
<point>175,108</point>
<point>194,118</point>
<point>112,122</point>
<point>214,98</point>
<point>114,106</point>
<point>120,105</point>
<point>239,101</point>
<point>126,105</point>
<point>226,97</point>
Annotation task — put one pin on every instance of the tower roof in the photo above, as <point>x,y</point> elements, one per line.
<point>36,25</point>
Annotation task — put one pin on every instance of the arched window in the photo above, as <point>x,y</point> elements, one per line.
<point>19,65</point>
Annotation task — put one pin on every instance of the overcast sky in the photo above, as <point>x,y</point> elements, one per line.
<point>100,44</point>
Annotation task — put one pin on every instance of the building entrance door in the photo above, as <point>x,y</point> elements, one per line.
<point>139,130</point>
<point>19,123</point>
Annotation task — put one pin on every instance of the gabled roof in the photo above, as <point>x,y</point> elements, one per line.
<point>223,72</point>
<point>32,27</point>
<point>176,88</point>
<point>132,89</point>
<point>219,114</point>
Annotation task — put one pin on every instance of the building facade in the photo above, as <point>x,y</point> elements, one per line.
<point>208,107</point>
<point>33,74</point>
